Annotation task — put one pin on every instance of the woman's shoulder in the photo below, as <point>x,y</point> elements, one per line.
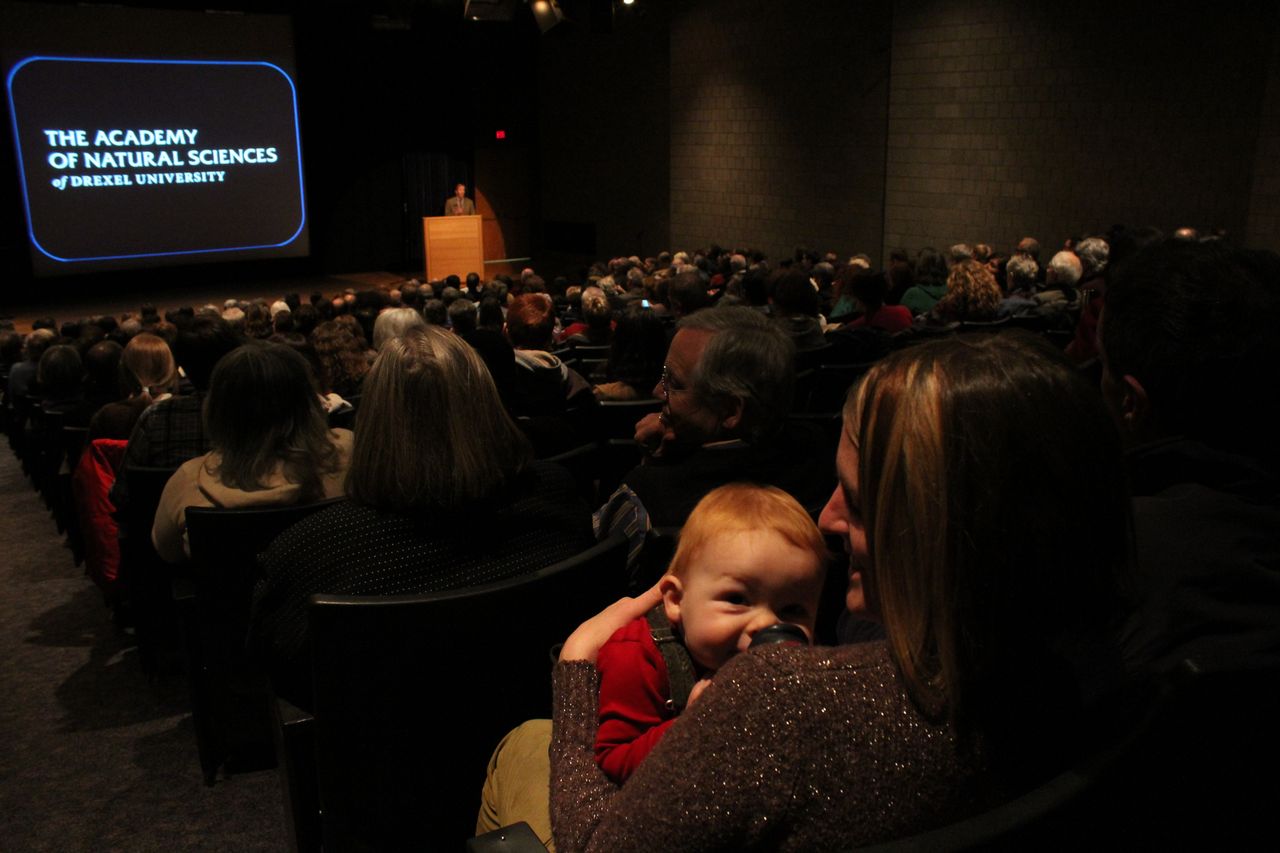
<point>794,664</point>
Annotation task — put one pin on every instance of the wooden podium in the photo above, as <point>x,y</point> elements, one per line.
<point>453,246</point>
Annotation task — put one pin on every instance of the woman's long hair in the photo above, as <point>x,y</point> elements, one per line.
<point>263,410</point>
<point>997,521</point>
<point>147,368</point>
<point>431,433</point>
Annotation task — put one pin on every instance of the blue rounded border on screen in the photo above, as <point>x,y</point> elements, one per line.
<point>13,117</point>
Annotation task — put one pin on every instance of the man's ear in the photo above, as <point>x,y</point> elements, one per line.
<point>1135,406</point>
<point>672,593</point>
<point>734,418</point>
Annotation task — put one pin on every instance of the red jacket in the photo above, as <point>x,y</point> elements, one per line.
<point>634,689</point>
<point>90,483</point>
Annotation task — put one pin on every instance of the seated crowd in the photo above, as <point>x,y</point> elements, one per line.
<point>1051,482</point>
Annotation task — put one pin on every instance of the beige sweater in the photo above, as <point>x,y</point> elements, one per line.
<point>193,484</point>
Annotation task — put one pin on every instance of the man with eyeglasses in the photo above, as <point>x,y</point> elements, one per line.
<point>726,390</point>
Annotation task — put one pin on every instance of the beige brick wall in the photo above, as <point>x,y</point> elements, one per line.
<point>1009,118</point>
<point>777,124</point>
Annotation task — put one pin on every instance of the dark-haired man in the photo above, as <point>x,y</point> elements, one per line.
<point>1187,339</point>
<point>458,204</point>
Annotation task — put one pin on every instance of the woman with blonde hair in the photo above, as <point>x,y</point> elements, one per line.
<point>148,374</point>
<point>443,492</point>
<point>983,507</point>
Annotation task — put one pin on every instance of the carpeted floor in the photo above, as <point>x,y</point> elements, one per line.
<point>93,756</point>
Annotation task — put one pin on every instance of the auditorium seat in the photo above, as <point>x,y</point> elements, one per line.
<point>230,695</point>
<point>412,693</point>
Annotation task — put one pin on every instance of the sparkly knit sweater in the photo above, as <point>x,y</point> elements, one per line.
<point>788,749</point>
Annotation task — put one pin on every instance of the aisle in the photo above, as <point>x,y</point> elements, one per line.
<point>92,756</point>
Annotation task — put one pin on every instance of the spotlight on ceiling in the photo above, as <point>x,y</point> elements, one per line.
<point>547,13</point>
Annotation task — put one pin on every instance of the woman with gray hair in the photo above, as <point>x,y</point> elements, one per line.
<point>394,323</point>
<point>442,493</point>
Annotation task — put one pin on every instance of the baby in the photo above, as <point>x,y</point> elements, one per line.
<point>749,557</point>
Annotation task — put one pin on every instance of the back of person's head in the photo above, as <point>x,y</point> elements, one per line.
<point>1093,253</point>
<point>595,308</point>
<point>531,319</point>
<point>340,353</point>
<point>972,293</point>
<point>257,321</point>
<point>37,342</point>
<point>748,360</point>
<point>462,316</point>
<point>435,312</point>
<point>977,565</point>
<point>744,508</point>
<point>793,294</point>
<point>687,293</point>
<point>60,372</point>
<point>10,347</point>
<point>961,252</point>
<point>393,323</point>
<point>870,288</point>
<point>305,319</point>
<point>473,281</point>
<point>1021,273</point>
<point>1064,269</point>
<point>639,348</point>
<point>755,286</point>
<point>200,346</point>
<point>931,268</point>
<point>1186,330</point>
<point>263,410</point>
<point>102,365</point>
<point>430,382</point>
<point>1030,247</point>
<point>489,315</point>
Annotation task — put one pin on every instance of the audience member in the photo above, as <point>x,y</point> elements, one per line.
<point>147,373</point>
<point>992,677</point>
<point>726,389</point>
<point>171,431</point>
<point>466,506</point>
<point>596,327</point>
<point>1093,253</point>
<point>341,354</point>
<point>749,557</point>
<point>1185,331</point>
<point>795,309</point>
<point>871,287</point>
<point>394,323</point>
<point>930,282</point>
<point>271,444</point>
<point>636,356</point>
<point>545,385</point>
<point>972,294</point>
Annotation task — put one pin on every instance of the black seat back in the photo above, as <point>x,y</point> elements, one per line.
<point>230,695</point>
<point>412,693</point>
<point>145,579</point>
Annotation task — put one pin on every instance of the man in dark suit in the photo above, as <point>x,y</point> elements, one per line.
<point>458,203</point>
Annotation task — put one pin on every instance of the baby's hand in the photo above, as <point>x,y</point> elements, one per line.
<point>696,691</point>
